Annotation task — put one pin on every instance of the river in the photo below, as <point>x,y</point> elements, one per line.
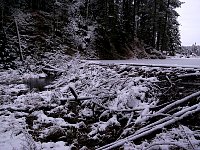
<point>171,62</point>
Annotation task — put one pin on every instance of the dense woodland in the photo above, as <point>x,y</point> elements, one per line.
<point>191,50</point>
<point>107,29</point>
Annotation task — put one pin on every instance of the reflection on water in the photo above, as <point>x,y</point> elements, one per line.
<point>38,83</point>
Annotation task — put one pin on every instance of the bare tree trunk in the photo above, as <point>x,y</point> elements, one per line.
<point>2,13</point>
<point>134,20</point>
<point>87,9</point>
<point>154,24</point>
<point>19,41</point>
<point>158,40</point>
<point>164,36</point>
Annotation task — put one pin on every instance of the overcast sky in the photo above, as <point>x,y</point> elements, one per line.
<point>190,22</point>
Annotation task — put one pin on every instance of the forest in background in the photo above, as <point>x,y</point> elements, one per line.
<point>190,50</point>
<point>106,29</point>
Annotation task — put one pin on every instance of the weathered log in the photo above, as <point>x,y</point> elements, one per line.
<point>175,115</point>
<point>145,133</point>
<point>170,106</point>
<point>189,75</point>
<point>178,102</point>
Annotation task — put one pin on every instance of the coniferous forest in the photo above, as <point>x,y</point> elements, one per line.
<point>106,29</point>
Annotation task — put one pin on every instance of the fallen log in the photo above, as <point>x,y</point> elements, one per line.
<point>175,115</point>
<point>189,75</point>
<point>178,102</point>
<point>178,114</point>
<point>170,106</point>
<point>145,133</point>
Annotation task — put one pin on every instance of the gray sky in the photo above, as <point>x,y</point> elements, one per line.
<point>190,22</point>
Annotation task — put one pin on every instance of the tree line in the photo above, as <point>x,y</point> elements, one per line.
<point>152,21</point>
<point>104,28</point>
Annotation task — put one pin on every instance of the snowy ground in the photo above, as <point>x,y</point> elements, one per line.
<point>115,100</point>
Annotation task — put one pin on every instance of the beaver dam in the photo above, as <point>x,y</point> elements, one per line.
<point>98,106</point>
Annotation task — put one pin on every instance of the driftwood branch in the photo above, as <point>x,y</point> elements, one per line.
<point>73,93</point>
<point>171,85</point>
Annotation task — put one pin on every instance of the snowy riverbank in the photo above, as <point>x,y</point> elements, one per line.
<point>87,106</point>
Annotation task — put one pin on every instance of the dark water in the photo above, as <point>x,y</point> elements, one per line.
<point>38,83</point>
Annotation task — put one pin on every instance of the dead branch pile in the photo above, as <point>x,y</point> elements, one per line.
<point>107,106</point>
